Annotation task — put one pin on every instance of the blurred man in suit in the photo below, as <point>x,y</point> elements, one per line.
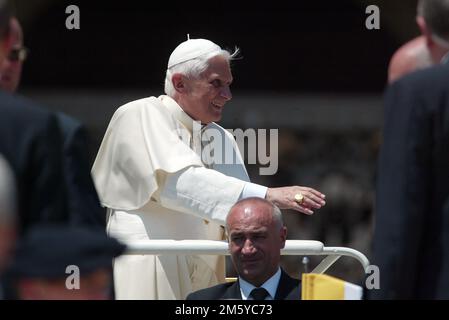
<point>30,141</point>
<point>410,242</point>
<point>84,205</point>
<point>423,51</point>
<point>256,235</point>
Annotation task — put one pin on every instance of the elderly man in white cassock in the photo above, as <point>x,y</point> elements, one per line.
<point>152,177</point>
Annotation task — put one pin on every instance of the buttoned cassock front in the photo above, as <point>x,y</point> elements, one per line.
<point>155,186</point>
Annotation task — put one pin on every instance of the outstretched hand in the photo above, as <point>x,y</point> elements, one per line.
<point>284,198</point>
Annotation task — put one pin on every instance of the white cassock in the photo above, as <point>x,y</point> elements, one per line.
<point>155,186</point>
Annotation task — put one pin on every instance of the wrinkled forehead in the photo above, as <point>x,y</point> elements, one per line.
<point>247,230</point>
<point>250,218</point>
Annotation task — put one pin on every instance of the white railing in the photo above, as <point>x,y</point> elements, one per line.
<point>209,247</point>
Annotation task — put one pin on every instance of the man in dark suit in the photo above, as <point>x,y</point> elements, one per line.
<point>30,141</point>
<point>256,235</point>
<point>411,243</point>
<point>83,203</point>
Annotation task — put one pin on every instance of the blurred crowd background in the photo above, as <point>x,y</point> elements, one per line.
<point>312,70</point>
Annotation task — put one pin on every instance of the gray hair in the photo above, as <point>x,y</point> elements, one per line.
<point>436,16</point>
<point>195,67</point>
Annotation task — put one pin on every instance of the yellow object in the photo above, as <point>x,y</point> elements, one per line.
<point>324,287</point>
<point>299,197</point>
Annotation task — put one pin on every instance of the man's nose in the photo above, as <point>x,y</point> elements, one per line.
<point>248,247</point>
<point>226,93</point>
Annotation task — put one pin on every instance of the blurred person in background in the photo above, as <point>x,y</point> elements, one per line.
<point>423,51</point>
<point>31,143</point>
<point>411,244</point>
<point>11,68</point>
<point>83,202</point>
<point>61,262</point>
<point>433,22</point>
<point>412,56</point>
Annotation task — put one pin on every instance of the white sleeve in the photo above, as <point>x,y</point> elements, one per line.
<point>253,190</point>
<point>203,192</point>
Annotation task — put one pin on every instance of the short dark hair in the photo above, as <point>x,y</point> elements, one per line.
<point>5,16</point>
<point>436,15</point>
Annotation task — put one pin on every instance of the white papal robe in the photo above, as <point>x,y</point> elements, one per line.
<point>155,186</point>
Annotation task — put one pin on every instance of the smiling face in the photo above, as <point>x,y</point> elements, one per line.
<point>255,241</point>
<point>203,99</point>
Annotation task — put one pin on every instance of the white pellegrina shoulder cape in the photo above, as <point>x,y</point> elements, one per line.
<point>145,137</point>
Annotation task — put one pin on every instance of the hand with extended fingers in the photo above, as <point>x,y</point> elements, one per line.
<point>302,199</point>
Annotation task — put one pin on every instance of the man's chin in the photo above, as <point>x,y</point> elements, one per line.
<point>253,276</point>
<point>211,118</point>
<point>216,118</point>
<point>216,115</point>
<point>251,269</point>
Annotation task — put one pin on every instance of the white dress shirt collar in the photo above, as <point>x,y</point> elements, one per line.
<point>271,285</point>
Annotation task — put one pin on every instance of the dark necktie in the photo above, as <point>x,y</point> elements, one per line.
<point>259,293</point>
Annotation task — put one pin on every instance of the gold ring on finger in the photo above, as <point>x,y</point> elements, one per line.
<point>299,198</point>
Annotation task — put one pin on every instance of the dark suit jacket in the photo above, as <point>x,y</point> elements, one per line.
<point>31,143</point>
<point>84,205</point>
<point>411,241</point>
<point>288,289</point>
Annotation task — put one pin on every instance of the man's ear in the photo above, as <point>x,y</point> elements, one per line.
<point>283,234</point>
<point>425,31</point>
<point>179,83</point>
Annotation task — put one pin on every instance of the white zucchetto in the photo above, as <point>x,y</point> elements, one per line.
<point>191,49</point>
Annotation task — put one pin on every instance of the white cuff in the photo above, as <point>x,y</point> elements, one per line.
<point>253,190</point>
